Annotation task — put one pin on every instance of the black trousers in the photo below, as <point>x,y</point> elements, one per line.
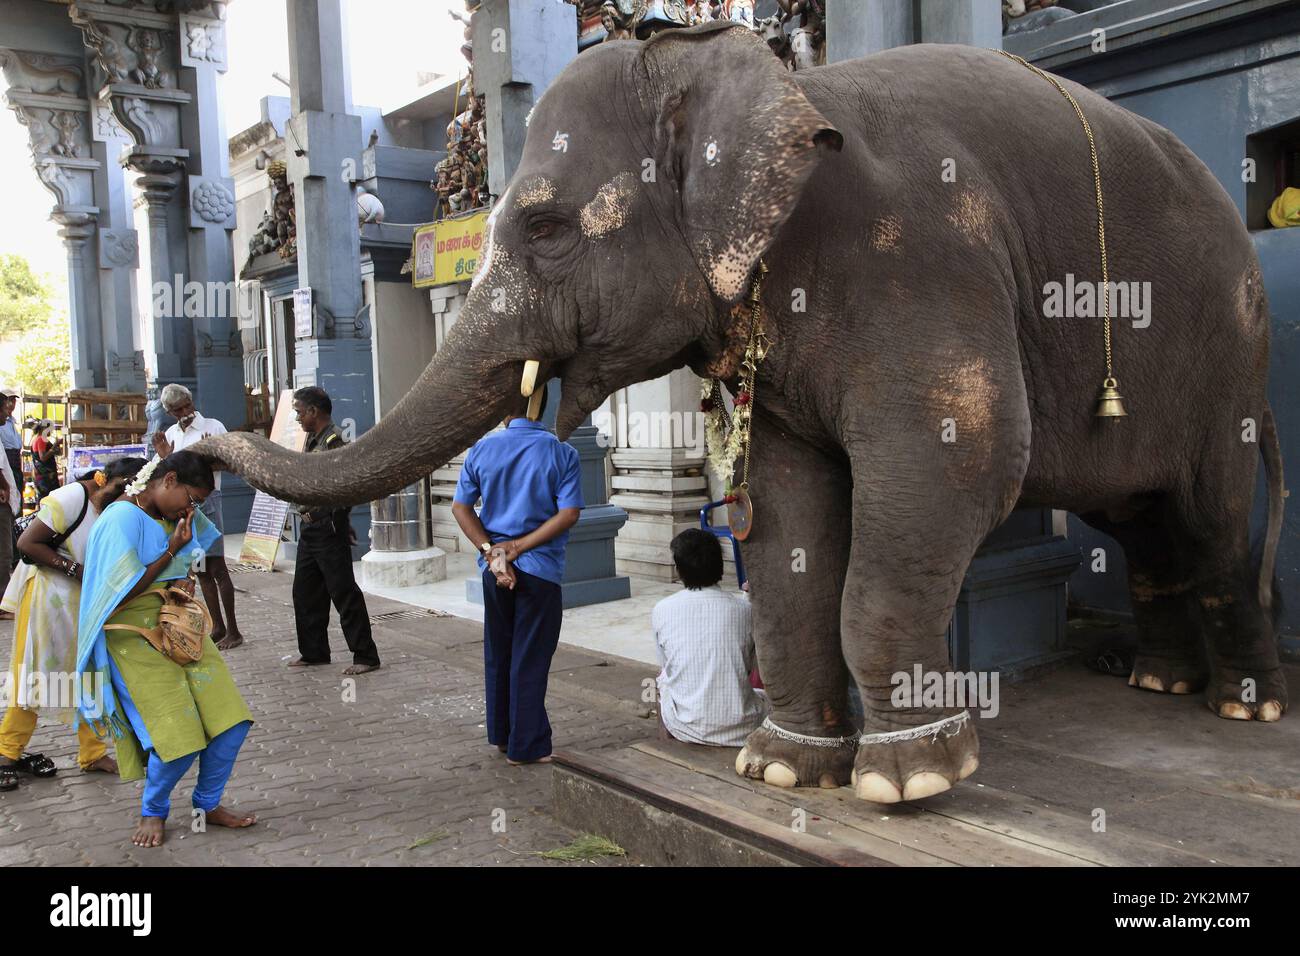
<point>521,629</point>
<point>323,576</point>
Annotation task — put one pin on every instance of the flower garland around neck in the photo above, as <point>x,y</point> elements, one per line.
<point>142,477</point>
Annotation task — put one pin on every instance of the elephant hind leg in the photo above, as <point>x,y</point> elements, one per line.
<point>1170,649</point>
<point>1196,597</point>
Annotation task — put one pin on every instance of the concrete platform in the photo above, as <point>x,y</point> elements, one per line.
<point>1177,787</point>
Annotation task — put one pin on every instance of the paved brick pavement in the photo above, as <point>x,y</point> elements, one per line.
<point>400,775</point>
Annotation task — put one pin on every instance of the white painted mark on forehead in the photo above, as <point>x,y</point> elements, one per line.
<point>485,263</point>
<point>608,209</point>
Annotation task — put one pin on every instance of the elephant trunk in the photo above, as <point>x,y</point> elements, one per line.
<point>461,395</point>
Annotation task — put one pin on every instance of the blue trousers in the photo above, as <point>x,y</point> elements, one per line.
<point>521,629</point>
<point>216,761</point>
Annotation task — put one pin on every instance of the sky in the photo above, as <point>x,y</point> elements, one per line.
<point>390,41</point>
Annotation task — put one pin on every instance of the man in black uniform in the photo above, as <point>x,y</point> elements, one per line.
<point>323,572</point>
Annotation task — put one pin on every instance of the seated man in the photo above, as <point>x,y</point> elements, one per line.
<point>706,651</point>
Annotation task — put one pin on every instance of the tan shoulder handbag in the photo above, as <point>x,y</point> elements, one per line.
<point>183,623</point>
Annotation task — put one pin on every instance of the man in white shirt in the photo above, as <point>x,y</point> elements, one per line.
<point>706,651</point>
<point>190,428</point>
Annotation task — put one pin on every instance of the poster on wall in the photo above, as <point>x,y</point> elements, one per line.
<point>302,313</point>
<point>97,456</point>
<point>266,520</point>
<point>448,251</point>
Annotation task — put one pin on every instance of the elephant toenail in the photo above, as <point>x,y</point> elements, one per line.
<point>877,788</point>
<point>1151,682</point>
<point>1180,687</point>
<point>1234,711</point>
<point>779,775</point>
<point>828,782</point>
<point>742,761</point>
<point>1133,679</point>
<point>968,767</point>
<point>1270,710</point>
<point>925,784</point>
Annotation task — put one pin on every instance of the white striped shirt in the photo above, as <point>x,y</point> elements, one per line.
<point>706,652</point>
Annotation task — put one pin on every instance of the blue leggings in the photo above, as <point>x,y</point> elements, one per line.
<point>216,761</point>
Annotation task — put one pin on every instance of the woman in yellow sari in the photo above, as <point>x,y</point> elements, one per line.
<point>162,714</point>
<point>44,596</point>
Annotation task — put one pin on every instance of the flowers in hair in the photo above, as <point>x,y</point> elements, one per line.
<point>142,477</point>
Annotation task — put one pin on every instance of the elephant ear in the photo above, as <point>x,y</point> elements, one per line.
<point>738,138</point>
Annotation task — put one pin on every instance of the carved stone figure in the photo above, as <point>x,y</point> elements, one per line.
<point>66,122</point>
<point>147,46</point>
<point>39,73</point>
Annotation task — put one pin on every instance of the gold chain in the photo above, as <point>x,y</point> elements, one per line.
<point>754,352</point>
<point>1101,212</point>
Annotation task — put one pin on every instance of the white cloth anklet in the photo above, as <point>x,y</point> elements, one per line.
<point>805,739</point>
<point>948,727</point>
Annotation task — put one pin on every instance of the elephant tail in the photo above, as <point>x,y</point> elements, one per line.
<point>1272,452</point>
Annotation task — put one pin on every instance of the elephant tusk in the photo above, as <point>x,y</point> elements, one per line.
<point>529,380</point>
<point>535,405</point>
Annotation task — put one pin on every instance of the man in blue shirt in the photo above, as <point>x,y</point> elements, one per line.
<point>10,435</point>
<point>531,486</point>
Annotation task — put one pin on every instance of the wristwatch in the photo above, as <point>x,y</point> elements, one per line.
<point>486,547</point>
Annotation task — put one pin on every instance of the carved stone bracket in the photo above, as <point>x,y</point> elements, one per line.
<point>119,248</point>
<point>132,41</point>
<point>324,325</point>
<point>104,125</point>
<point>125,363</point>
<point>47,96</point>
<point>205,347</point>
<point>212,202</point>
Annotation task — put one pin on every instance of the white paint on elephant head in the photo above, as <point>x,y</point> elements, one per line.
<point>711,153</point>
<point>485,263</point>
<point>608,209</point>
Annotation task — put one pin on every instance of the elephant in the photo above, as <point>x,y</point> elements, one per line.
<point>888,197</point>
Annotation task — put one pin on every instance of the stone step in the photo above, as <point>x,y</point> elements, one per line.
<point>671,803</point>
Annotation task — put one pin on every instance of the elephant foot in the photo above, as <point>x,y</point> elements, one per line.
<point>1167,675</point>
<point>1240,695</point>
<point>787,759</point>
<point>911,762</point>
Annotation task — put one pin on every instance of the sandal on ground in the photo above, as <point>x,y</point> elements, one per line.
<point>38,765</point>
<point>8,778</point>
<point>1111,661</point>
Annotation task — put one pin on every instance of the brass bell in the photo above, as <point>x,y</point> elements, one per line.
<point>1110,404</point>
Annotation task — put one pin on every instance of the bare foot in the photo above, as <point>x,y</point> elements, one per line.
<point>361,669</point>
<point>299,662</point>
<point>104,764</point>
<point>521,763</point>
<point>149,832</point>
<point>229,641</point>
<point>221,817</point>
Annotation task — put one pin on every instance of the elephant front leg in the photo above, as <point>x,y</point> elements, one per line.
<point>796,558</point>
<point>912,543</point>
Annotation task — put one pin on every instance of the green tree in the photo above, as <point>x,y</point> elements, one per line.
<point>24,298</point>
<point>43,366</point>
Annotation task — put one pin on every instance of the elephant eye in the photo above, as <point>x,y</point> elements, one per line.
<point>543,227</point>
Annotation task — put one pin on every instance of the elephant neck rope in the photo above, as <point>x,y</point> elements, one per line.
<point>1109,403</point>
<point>726,445</point>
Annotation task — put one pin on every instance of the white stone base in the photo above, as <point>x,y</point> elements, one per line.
<point>403,569</point>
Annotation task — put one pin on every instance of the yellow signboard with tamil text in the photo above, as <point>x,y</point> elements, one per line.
<point>448,251</point>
